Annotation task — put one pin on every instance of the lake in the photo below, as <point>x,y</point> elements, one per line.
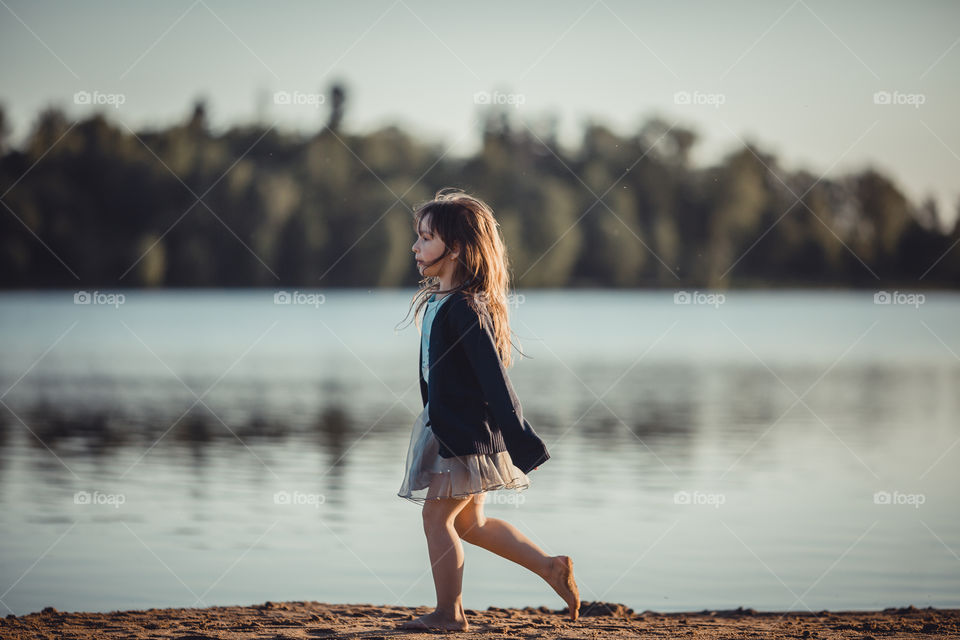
<point>781,450</point>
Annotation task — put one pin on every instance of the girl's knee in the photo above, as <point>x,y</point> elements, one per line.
<point>469,520</point>
<point>440,511</point>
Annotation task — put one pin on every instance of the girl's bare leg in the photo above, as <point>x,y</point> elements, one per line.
<point>446,559</point>
<point>505,540</point>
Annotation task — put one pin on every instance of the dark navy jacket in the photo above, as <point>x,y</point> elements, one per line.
<point>472,404</point>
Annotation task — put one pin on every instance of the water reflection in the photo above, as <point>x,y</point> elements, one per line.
<point>666,410</point>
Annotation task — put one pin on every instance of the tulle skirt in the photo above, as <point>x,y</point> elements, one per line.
<point>429,476</point>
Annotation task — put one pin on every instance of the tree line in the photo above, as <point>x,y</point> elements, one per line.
<point>91,203</point>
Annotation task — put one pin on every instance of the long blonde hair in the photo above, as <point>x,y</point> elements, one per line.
<point>482,268</point>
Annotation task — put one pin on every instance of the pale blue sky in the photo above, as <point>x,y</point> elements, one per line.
<point>799,76</point>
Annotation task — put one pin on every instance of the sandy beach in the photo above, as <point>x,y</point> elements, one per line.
<point>280,620</point>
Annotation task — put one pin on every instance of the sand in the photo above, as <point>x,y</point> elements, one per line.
<point>277,620</point>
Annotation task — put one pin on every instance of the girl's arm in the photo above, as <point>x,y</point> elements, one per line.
<point>525,447</point>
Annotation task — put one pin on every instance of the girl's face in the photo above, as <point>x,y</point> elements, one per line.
<point>428,248</point>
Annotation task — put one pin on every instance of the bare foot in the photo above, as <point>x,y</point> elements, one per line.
<point>561,579</point>
<point>436,621</point>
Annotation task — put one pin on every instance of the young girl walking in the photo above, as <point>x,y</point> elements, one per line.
<point>471,436</point>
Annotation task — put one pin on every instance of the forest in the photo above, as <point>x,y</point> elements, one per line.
<point>92,203</point>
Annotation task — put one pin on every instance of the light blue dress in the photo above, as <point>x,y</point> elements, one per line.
<point>427,474</point>
<point>428,316</point>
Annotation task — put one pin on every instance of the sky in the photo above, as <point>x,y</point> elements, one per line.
<point>829,87</point>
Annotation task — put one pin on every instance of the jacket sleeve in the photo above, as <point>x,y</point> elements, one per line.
<point>423,383</point>
<point>526,448</point>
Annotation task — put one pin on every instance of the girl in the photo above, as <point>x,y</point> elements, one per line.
<point>471,436</point>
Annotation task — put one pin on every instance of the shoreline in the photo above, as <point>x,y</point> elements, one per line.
<point>311,619</point>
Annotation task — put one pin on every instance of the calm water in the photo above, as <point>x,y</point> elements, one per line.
<point>704,456</point>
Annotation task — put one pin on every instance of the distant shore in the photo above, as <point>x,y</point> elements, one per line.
<point>597,619</point>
